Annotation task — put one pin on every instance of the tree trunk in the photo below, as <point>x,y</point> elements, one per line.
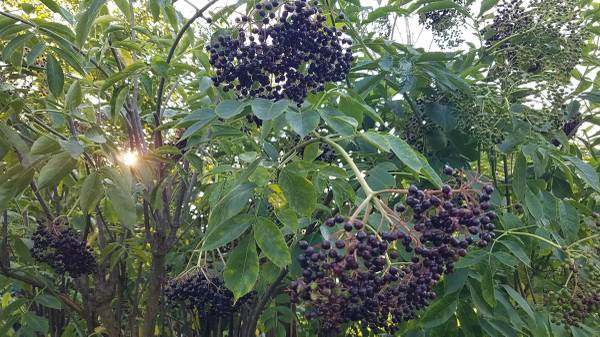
<point>153,294</point>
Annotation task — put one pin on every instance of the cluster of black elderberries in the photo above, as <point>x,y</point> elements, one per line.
<point>446,24</point>
<point>60,247</point>
<point>280,53</point>
<point>207,295</point>
<point>358,277</point>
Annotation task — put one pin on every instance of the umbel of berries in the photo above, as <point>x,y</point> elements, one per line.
<point>59,246</point>
<point>356,276</point>
<point>277,55</point>
<point>207,295</point>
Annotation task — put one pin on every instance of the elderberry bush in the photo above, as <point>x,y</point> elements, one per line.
<point>206,295</point>
<point>358,277</point>
<point>60,247</point>
<point>279,53</point>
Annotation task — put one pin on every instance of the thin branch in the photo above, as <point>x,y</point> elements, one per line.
<point>41,201</point>
<point>161,85</point>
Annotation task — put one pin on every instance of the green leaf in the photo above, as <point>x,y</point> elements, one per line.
<point>377,139</point>
<point>44,145</point>
<point>124,7</point>
<point>304,122</point>
<point>586,172</point>
<point>73,97</point>
<point>520,300</point>
<point>86,20</point>
<point>487,288</point>
<point>55,76</point>
<point>17,43</point>
<point>49,301</point>
<point>229,108</point>
<point>55,169</point>
<point>569,220</point>
<point>241,270</point>
<point>340,123</point>
<point>439,312</point>
<point>271,242</point>
<point>405,153</point>
<point>440,5</point>
<point>132,69</point>
<point>534,205</point>
<point>266,109</point>
<point>288,217</point>
<point>227,231</point>
<point>231,204</point>
<point>91,192</point>
<point>117,101</point>
<point>519,182</point>
<point>123,202</point>
<point>517,250</point>
<point>52,5</point>
<point>441,115</point>
<point>486,5</point>
<point>299,192</point>
<point>34,53</point>
<point>36,323</point>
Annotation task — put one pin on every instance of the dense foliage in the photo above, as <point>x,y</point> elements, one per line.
<point>290,168</point>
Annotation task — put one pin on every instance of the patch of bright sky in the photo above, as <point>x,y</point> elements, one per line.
<point>407,29</point>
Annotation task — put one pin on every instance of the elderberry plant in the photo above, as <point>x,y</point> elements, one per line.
<point>278,53</point>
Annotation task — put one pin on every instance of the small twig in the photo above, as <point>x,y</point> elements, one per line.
<point>43,204</point>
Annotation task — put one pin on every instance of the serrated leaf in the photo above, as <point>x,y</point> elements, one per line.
<point>55,76</point>
<point>271,242</point>
<point>36,323</point>
<point>73,97</point>
<point>231,204</point>
<point>487,288</point>
<point>55,169</point>
<point>229,108</point>
<point>241,270</point>
<point>288,217</point>
<point>227,231</point>
<point>520,300</point>
<point>303,123</point>
<point>267,109</point>
<point>122,200</point>
<point>132,69</point>
<point>117,101</point>
<point>404,153</point>
<point>486,5</point>
<point>299,192</point>
<point>86,20</point>
<point>91,192</point>
<point>49,301</point>
<point>44,145</point>
<point>516,249</point>
<point>439,312</point>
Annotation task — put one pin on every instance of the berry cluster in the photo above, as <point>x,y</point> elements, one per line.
<point>207,295</point>
<point>358,276</point>
<point>573,307</point>
<point>60,247</point>
<point>446,24</point>
<point>281,55</point>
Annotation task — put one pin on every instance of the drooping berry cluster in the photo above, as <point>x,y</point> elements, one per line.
<point>446,24</point>
<point>358,277</point>
<point>208,296</point>
<point>281,55</point>
<point>60,247</point>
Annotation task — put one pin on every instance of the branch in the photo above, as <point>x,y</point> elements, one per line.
<point>41,201</point>
<point>161,85</point>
